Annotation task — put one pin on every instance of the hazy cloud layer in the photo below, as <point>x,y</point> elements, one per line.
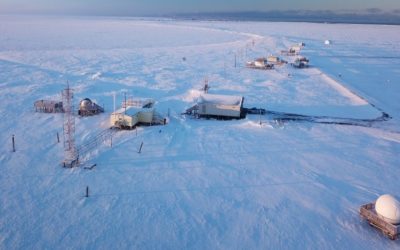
<point>353,11</point>
<point>375,16</point>
<point>163,7</point>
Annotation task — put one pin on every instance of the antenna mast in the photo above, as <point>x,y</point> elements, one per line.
<point>125,102</point>
<point>114,101</point>
<point>206,86</point>
<point>70,152</point>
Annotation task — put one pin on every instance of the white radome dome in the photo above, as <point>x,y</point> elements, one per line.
<point>388,208</point>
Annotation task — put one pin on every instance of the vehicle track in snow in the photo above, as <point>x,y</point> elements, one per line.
<point>283,116</point>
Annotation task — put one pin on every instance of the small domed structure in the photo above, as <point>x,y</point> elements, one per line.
<point>388,208</point>
<point>87,107</point>
<point>85,104</point>
<point>327,42</point>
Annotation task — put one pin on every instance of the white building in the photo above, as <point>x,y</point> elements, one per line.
<point>295,49</point>
<point>259,63</point>
<point>275,60</point>
<point>131,116</point>
<point>220,106</point>
<point>300,62</point>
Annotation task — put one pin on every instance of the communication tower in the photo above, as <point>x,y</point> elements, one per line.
<point>70,152</point>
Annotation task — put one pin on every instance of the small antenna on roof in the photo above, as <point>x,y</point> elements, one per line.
<point>125,102</point>
<point>114,102</point>
<point>206,86</point>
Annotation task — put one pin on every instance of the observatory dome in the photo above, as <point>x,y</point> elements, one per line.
<point>85,104</point>
<point>388,208</point>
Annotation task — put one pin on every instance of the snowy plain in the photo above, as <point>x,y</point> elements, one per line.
<point>197,184</point>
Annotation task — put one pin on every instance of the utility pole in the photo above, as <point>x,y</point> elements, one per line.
<point>114,100</point>
<point>13,143</point>
<point>114,105</point>
<point>206,86</point>
<point>125,102</point>
<point>140,149</point>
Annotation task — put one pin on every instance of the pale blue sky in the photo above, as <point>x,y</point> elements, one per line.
<point>148,7</point>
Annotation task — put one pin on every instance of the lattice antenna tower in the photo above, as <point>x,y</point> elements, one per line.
<point>70,152</point>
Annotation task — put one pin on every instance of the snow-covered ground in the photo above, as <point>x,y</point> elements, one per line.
<point>198,184</point>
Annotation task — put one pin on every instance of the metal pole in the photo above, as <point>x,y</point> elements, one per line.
<point>58,138</point>
<point>87,191</point>
<point>140,149</point>
<point>114,104</point>
<point>125,102</point>
<point>13,143</point>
